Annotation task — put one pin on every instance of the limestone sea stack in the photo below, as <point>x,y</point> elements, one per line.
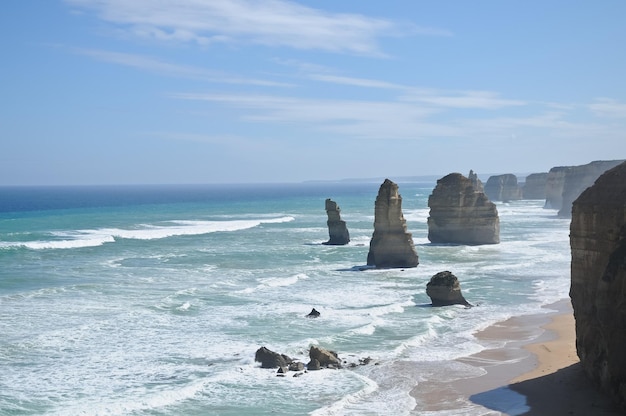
<point>391,245</point>
<point>503,188</point>
<point>337,229</point>
<point>460,214</point>
<point>535,186</point>
<point>598,286</point>
<point>444,289</point>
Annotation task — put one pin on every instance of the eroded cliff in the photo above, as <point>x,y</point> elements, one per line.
<point>598,280</point>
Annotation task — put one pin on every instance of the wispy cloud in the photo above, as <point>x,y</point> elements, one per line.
<point>268,22</point>
<point>150,64</point>
<point>607,107</point>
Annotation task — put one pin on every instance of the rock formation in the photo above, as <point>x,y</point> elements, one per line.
<point>337,230</point>
<point>444,289</point>
<point>391,245</point>
<point>579,178</point>
<point>271,359</point>
<point>565,183</point>
<point>323,358</point>
<point>476,183</point>
<point>313,314</point>
<point>535,186</point>
<point>503,188</point>
<point>460,214</point>
<point>598,286</point>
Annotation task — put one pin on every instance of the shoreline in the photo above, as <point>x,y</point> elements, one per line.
<point>530,368</point>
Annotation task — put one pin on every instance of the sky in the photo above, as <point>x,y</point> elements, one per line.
<point>243,91</point>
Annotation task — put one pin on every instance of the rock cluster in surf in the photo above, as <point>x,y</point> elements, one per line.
<point>337,229</point>
<point>598,281</point>
<point>461,214</point>
<point>391,245</point>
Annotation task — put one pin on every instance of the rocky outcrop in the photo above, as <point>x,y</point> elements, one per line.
<point>271,359</point>
<point>460,214</point>
<point>391,245</point>
<point>565,183</point>
<point>337,230</point>
<point>579,178</point>
<point>476,183</point>
<point>444,289</point>
<point>535,186</point>
<point>598,286</point>
<point>503,188</point>
<point>323,358</point>
<point>313,314</point>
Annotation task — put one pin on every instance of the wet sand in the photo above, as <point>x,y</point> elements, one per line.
<point>536,372</point>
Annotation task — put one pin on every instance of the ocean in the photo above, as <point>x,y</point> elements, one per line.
<point>152,300</point>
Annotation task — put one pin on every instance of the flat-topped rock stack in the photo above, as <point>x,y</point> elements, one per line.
<point>460,214</point>
<point>535,186</point>
<point>598,281</point>
<point>337,229</point>
<point>503,188</point>
<point>391,245</point>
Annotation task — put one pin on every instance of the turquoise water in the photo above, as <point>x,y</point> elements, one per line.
<point>153,300</point>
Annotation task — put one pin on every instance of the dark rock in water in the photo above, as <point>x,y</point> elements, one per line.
<point>598,286</point>
<point>460,214</point>
<point>444,289</point>
<point>313,365</point>
<point>313,314</point>
<point>391,245</point>
<point>503,188</point>
<point>324,357</point>
<point>296,366</point>
<point>271,359</point>
<point>337,230</point>
<point>281,371</point>
<point>535,186</point>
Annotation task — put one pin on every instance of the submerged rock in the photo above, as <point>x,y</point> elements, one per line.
<point>313,314</point>
<point>337,229</point>
<point>391,245</point>
<point>444,289</point>
<point>598,286</point>
<point>461,214</point>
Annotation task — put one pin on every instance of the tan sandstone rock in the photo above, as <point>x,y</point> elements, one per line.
<point>391,245</point>
<point>598,281</point>
<point>461,214</point>
<point>337,229</point>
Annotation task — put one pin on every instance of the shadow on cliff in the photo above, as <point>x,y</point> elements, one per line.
<point>567,391</point>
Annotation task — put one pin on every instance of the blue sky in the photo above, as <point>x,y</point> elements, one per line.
<point>218,91</point>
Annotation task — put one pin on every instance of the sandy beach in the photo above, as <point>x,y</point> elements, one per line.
<point>556,384</point>
<point>537,372</point>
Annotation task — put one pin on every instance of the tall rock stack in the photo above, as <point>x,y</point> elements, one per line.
<point>535,186</point>
<point>598,287</point>
<point>391,245</point>
<point>503,188</point>
<point>337,230</point>
<point>460,214</point>
<point>554,187</point>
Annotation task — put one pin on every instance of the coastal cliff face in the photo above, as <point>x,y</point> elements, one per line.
<point>598,287</point>
<point>579,178</point>
<point>554,187</point>
<point>503,188</point>
<point>535,186</point>
<point>337,229</point>
<point>460,214</point>
<point>391,245</point>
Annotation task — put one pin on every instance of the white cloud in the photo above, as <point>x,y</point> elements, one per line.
<point>462,99</point>
<point>269,22</point>
<point>607,107</point>
<point>154,65</point>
